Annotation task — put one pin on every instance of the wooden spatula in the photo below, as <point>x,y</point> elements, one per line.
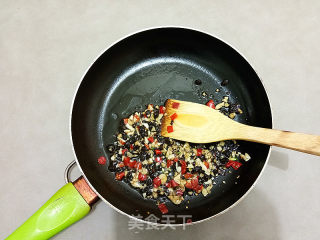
<point>197,123</point>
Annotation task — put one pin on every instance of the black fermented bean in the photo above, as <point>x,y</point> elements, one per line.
<point>111,148</point>
<point>149,182</point>
<point>156,114</point>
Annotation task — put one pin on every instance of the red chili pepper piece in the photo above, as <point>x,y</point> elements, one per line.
<point>157,151</point>
<point>158,159</point>
<point>176,159</point>
<point>138,165</point>
<point>156,182</point>
<point>132,164</point>
<point>206,164</point>
<point>147,146</point>
<point>119,175</point>
<point>169,163</point>
<point>194,183</point>
<point>175,105</point>
<point>126,161</point>
<point>198,188</point>
<point>124,151</point>
<point>173,183</point>
<point>236,165</point>
<point>188,185</point>
<point>163,208</point>
<point>142,177</point>
<point>199,152</point>
<point>169,129</point>
<point>233,164</point>
<point>168,184</point>
<point>131,146</point>
<point>183,166</point>
<point>137,117</point>
<point>122,142</point>
<point>229,163</point>
<point>125,120</point>
<point>161,109</point>
<point>102,160</point>
<point>173,116</point>
<point>179,192</point>
<point>211,104</point>
<point>151,139</point>
<point>188,175</point>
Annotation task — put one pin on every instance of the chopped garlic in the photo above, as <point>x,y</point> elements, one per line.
<point>175,199</point>
<point>232,115</point>
<point>225,99</point>
<point>220,105</point>
<point>204,192</point>
<point>247,157</point>
<point>177,179</point>
<point>163,178</point>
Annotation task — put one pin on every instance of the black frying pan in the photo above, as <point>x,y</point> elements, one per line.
<point>150,67</point>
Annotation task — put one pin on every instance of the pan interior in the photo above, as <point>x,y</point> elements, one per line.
<point>150,67</point>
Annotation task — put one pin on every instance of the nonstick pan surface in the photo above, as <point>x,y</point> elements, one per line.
<point>150,67</point>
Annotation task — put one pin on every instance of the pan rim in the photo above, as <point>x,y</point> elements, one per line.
<point>123,38</point>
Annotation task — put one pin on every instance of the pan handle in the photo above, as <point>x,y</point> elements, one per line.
<point>67,171</point>
<point>68,205</point>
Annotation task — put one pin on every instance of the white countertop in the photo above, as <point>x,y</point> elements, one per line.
<point>46,46</point>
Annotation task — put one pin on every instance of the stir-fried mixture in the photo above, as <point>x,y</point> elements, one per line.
<point>160,167</point>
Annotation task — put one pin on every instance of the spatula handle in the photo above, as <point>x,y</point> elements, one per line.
<point>296,141</point>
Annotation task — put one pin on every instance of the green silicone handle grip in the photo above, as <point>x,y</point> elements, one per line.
<point>64,208</point>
